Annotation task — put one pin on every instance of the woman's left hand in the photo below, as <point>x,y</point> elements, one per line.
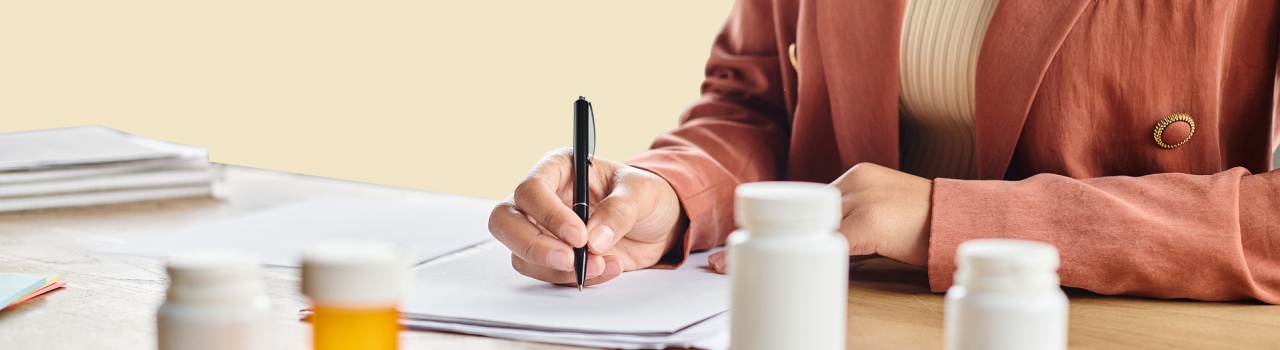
<point>886,212</point>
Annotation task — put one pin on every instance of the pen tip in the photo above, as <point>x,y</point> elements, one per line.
<point>579,287</point>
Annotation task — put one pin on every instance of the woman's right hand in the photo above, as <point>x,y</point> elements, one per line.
<point>635,218</point>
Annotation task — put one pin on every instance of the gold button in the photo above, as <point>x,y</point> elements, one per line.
<point>792,52</point>
<point>1174,130</point>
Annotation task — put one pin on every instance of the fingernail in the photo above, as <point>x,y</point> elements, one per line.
<point>560,260</point>
<point>571,235</point>
<point>602,238</point>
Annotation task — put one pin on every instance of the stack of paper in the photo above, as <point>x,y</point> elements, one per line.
<point>435,225</point>
<point>16,288</point>
<point>93,165</point>
<point>481,294</point>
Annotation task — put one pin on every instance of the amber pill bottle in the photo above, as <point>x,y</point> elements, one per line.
<point>354,287</point>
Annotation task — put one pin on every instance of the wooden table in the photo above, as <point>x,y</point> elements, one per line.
<point>110,300</point>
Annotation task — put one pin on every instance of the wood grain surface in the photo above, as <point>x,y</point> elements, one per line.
<point>110,300</point>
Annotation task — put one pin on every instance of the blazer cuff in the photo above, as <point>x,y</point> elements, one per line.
<point>949,226</point>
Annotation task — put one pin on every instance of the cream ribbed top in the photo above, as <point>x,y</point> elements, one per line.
<point>939,56</point>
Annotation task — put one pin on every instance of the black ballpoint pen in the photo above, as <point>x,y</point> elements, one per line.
<point>583,149</point>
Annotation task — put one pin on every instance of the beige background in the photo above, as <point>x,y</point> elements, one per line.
<point>451,96</point>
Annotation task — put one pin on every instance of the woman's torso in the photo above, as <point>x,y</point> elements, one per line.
<point>1071,87</point>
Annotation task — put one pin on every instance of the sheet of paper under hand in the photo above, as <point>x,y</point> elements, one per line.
<point>711,334</point>
<point>482,289</point>
<point>434,226</point>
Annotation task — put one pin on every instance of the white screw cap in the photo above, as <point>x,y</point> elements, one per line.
<point>354,273</point>
<point>212,275</point>
<point>766,207</point>
<point>1006,264</point>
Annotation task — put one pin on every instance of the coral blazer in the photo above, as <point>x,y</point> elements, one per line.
<point>1071,98</point>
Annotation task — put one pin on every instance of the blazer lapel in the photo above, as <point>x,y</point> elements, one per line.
<point>858,41</point>
<point>1020,42</point>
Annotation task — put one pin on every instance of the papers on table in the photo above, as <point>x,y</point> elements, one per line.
<point>187,161</point>
<point>437,225</point>
<point>161,178</point>
<point>93,165</point>
<point>710,334</point>
<point>476,290</point>
<point>28,150</point>
<point>103,197</point>
<point>482,294</point>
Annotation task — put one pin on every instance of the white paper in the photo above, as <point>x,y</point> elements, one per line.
<point>483,289</point>
<point>710,334</point>
<point>164,178</point>
<point>103,197</point>
<point>433,227</point>
<point>78,146</point>
<point>71,172</point>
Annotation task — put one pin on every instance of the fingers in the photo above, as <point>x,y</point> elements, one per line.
<point>615,215</point>
<point>536,197</point>
<point>612,269</point>
<point>719,261</point>
<point>528,241</point>
<point>636,207</point>
<point>600,269</point>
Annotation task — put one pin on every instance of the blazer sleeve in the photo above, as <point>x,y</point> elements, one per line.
<point>737,132</point>
<point>1206,237</point>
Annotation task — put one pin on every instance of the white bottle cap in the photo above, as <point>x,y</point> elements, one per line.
<point>1006,265</point>
<point>213,276</point>
<point>354,273</point>
<point>769,207</point>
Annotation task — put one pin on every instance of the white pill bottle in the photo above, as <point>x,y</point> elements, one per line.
<point>1005,297</point>
<point>215,301</point>
<point>788,267</point>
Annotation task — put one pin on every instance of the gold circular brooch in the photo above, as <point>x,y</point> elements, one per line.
<point>791,52</point>
<point>1168,124</point>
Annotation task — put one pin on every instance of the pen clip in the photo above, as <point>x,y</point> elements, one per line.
<point>591,133</point>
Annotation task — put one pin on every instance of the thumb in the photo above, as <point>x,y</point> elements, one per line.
<point>613,218</point>
<point>719,261</point>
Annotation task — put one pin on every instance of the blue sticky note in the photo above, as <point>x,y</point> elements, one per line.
<point>15,286</point>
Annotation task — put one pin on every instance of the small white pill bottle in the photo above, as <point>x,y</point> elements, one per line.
<point>215,301</point>
<point>788,268</point>
<point>1005,297</point>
